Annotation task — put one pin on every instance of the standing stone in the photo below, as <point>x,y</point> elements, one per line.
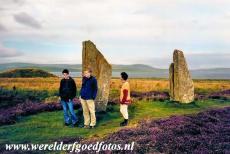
<point>102,70</point>
<point>181,84</point>
<point>171,81</point>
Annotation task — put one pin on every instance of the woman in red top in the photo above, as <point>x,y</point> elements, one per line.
<point>124,98</point>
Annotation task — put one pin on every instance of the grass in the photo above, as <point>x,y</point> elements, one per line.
<point>141,85</point>
<point>48,126</point>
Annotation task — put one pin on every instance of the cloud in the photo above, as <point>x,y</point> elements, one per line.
<point>11,5</point>
<point>8,52</point>
<point>121,29</point>
<point>208,60</point>
<point>25,19</point>
<point>2,28</point>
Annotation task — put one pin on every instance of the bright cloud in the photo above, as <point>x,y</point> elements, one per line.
<point>8,52</point>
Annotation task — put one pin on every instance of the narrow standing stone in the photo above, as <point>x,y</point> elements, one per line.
<point>181,84</point>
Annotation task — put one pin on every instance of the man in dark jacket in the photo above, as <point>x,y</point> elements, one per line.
<point>88,95</point>
<point>67,92</point>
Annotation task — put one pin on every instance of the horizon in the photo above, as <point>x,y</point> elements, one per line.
<point>130,32</point>
<point>110,64</point>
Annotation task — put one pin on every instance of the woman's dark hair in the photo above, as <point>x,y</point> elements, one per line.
<point>124,75</point>
<point>65,71</point>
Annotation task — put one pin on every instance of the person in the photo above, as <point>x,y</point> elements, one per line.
<point>67,93</point>
<point>125,99</point>
<point>87,96</point>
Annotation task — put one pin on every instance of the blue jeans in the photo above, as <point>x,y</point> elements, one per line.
<point>68,106</point>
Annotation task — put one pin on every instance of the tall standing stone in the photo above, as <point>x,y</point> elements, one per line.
<point>181,84</point>
<point>171,81</point>
<point>102,70</point>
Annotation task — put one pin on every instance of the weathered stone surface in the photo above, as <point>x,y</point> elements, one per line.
<point>171,81</point>
<point>102,70</point>
<point>181,84</point>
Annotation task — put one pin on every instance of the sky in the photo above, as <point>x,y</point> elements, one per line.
<point>126,32</point>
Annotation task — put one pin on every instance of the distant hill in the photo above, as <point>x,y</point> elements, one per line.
<point>46,67</point>
<point>25,72</point>
<point>212,73</point>
<point>135,70</point>
<point>73,67</point>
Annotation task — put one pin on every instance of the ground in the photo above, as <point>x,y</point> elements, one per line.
<point>47,127</point>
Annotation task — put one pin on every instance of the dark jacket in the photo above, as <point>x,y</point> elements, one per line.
<point>67,89</point>
<point>89,88</point>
